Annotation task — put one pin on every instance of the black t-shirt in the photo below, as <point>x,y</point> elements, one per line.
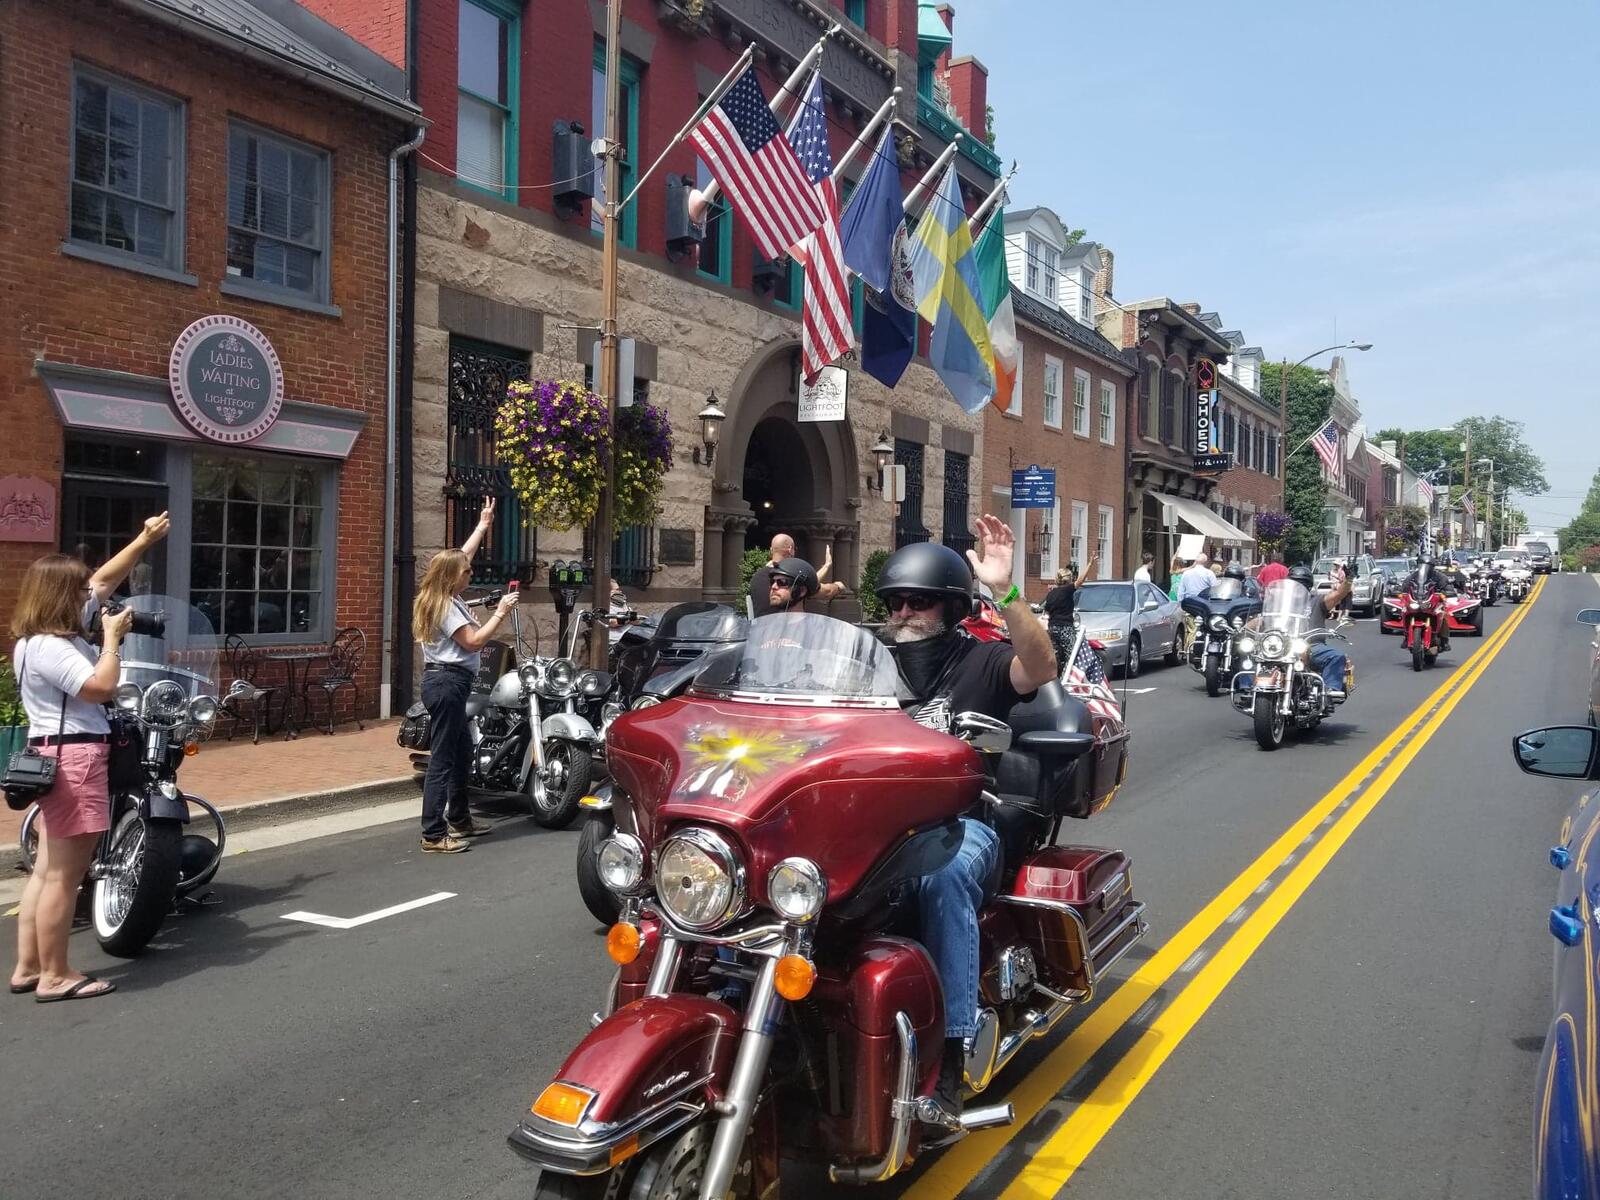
<point>1059,602</point>
<point>979,679</point>
<point>761,590</point>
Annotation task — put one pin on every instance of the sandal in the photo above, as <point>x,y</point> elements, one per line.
<point>22,989</point>
<point>76,992</point>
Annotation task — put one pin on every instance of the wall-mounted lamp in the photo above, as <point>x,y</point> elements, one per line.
<point>711,419</point>
<point>883,455</point>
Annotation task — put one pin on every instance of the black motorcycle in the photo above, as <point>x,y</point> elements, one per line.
<point>164,706</point>
<point>1219,615</point>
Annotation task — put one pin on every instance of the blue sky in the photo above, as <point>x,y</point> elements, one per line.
<point>1417,174</point>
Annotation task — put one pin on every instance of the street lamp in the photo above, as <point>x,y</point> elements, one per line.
<point>711,419</point>
<point>883,455</point>
<point>1283,410</point>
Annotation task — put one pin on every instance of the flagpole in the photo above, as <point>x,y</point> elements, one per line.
<point>871,127</point>
<point>706,106</point>
<point>980,218</point>
<point>788,89</point>
<point>939,164</point>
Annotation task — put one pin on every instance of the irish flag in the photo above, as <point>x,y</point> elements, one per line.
<point>990,252</point>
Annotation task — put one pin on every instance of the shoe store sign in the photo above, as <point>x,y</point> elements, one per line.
<point>226,379</point>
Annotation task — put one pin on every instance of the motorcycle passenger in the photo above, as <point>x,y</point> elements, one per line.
<point>927,589</point>
<point>452,641</point>
<point>1323,658</point>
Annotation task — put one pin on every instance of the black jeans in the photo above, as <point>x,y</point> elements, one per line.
<point>444,787</point>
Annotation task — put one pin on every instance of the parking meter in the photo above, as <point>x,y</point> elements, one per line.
<point>567,581</point>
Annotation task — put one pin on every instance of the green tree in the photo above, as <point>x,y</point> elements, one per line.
<point>871,607</point>
<point>1591,502</point>
<point>1306,493</point>
<point>1515,464</point>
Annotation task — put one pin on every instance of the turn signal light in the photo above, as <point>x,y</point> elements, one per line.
<point>622,943</point>
<point>591,802</point>
<point>794,977</point>
<point>190,749</point>
<point>562,1103</point>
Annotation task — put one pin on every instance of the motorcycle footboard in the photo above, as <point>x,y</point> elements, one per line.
<point>648,1069</point>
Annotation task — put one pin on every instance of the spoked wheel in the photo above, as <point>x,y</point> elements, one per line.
<point>134,893</point>
<point>600,900</point>
<point>555,802</point>
<point>1269,723</point>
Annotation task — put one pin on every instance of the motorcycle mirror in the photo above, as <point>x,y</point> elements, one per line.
<point>983,733</point>
<point>1589,616</point>
<point>240,689</point>
<point>1559,751</point>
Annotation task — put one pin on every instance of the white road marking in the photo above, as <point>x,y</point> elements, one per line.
<point>1142,691</point>
<point>311,918</point>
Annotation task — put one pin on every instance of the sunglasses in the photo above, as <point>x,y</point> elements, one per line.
<point>915,601</point>
<point>782,581</point>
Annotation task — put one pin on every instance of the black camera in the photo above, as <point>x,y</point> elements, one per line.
<point>145,624</point>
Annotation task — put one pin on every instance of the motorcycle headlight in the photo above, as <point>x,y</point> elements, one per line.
<point>529,673</point>
<point>1219,624</point>
<point>592,683</point>
<point>560,675</point>
<point>1299,646</point>
<point>796,889</point>
<point>610,712</point>
<point>164,706</point>
<point>202,710</point>
<point>128,696</point>
<point>1274,645</point>
<point>645,702</point>
<point>698,879</point>
<point>622,863</point>
<point>1247,645</point>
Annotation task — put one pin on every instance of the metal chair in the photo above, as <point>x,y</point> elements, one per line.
<point>243,664</point>
<point>345,653</point>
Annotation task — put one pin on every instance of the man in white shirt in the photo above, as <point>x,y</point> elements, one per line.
<point>1197,580</point>
<point>1142,575</point>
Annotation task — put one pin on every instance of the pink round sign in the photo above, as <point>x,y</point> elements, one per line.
<point>226,379</point>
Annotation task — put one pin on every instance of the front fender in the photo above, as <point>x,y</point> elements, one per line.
<point>157,805</point>
<point>650,1067</point>
<point>567,726</point>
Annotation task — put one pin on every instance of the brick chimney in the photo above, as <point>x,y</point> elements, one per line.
<point>380,25</point>
<point>969,93</point>
<point>901,28</point>
<point>1104,277</point>
<point>1190,307</point>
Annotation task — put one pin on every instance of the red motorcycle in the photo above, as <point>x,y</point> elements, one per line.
<point>1424,623</point>
<point>781,813</point>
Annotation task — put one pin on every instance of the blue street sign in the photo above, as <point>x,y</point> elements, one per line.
<point>1033,488</point>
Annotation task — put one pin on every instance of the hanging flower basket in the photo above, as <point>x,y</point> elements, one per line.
<point>1272,529</point>
<point>553,436</point>
<point>644,456</point>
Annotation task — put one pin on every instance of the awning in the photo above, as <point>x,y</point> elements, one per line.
<point>1202,520</point>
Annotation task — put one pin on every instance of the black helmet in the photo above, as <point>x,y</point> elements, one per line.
<point>1234,570</point>
<point>930,567</point>
<point>1301,574</point>
<point>803,574</point>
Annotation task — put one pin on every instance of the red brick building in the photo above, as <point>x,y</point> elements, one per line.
<point>193,305</point>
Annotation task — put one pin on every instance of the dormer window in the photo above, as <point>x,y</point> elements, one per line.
<point>1085,295</point>
<point>1044,268</point>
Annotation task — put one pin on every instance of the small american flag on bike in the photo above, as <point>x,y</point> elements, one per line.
<point>1085,678</point>
<point>1326,443</point>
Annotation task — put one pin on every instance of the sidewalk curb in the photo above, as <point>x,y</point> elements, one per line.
<point>279,809</point>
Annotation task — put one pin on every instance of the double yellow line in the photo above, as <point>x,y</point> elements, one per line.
<point>1072,1141</point>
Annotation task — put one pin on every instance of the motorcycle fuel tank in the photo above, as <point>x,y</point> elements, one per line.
<point>839,786</point>
<point>507,691</point>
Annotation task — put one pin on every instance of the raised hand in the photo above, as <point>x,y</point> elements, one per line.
<point>156,527</point>
<point>991,560</point>
<point>486,517</point>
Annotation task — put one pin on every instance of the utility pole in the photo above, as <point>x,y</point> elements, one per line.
<point>1283,432</point>
<point>610,347</point>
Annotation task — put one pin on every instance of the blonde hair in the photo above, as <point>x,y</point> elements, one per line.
<point>434,594</point>
<point>1063,576</point>
<point>52,596</point>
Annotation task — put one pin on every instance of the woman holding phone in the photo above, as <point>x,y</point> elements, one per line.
<point>451,640</point>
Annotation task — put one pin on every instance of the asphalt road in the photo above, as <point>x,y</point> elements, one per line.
<point>1368,1030</point>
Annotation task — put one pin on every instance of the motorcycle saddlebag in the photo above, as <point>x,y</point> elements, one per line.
<point>413,731</point>
<point>1097,885</point>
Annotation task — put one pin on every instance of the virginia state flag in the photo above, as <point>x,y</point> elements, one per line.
<point>950,297</point>
<point>876,247</point>
<point>990,251</point>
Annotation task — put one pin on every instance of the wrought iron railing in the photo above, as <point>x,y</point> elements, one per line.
<point>479,375</point>
<point>957,532</point>
<point>908,525</point>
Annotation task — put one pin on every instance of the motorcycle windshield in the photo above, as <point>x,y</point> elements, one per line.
<point>1226,589</point>
<point>701,622</point>
<point>803,658</point>
<point>171,641</point>
<point>1286,607</point>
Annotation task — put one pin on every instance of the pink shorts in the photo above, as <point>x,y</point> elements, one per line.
<point>80,802</point>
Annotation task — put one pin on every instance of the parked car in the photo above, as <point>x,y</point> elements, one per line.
<point>1134,621</point>
<point>1394,571</point>
<point>1591,616</point>
<point>1565,1152</point>
<point>1367,586</point>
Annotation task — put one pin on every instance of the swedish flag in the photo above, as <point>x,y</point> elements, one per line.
<point>950,297</point>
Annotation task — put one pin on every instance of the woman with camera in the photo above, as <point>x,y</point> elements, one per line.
<point>451,641</point>
<point>64,684</point>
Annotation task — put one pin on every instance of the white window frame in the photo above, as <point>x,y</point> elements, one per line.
<point>1050,551</point>
<point>1082,387</point>
<point>1085,313</point>
<point>1031,260</point>
<point>1105,539</point>
<point>1053,369</point>
<point>1052,273</point>
<point>1108,413</point>
<point>1080,533</point>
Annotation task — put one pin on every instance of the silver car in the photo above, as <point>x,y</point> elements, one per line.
<point>1135,621</point>
<point>1366,588</point>
<point>1591,616</point>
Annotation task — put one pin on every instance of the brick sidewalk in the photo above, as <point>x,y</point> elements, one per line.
<point>231,773</point>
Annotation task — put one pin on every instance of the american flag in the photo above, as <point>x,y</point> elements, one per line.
<point>1469,508</point>
<point>1085,678</point>
<point>1425,493</point>
<point>1326,443</point>
<point>757,167</point>
<point>826,326</point>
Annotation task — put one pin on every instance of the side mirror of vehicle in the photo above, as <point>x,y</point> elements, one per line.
<point>1589,616</point>
<point>1149,606</point>
<point>983,733</point>
<point>1559,751</point>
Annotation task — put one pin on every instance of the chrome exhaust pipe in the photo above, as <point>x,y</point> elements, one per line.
<point>903,1109</point>
<point>987,1117</point>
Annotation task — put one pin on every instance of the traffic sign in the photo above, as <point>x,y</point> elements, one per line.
<point>1033,488</point>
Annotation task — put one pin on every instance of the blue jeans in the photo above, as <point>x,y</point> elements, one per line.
<point>1330,664</point>
<point>948,903</point>
<point>444,787</point>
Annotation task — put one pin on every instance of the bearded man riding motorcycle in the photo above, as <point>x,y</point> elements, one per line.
<point>928,590</point>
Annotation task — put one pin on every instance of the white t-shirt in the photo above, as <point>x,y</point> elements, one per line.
<point>48,665</point>
<point>1142,575</point>
<point>446,649</point>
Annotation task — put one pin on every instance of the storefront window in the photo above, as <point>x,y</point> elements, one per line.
<point>257,540</point>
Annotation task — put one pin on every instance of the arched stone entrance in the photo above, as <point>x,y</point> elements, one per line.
<point>774,474</point>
